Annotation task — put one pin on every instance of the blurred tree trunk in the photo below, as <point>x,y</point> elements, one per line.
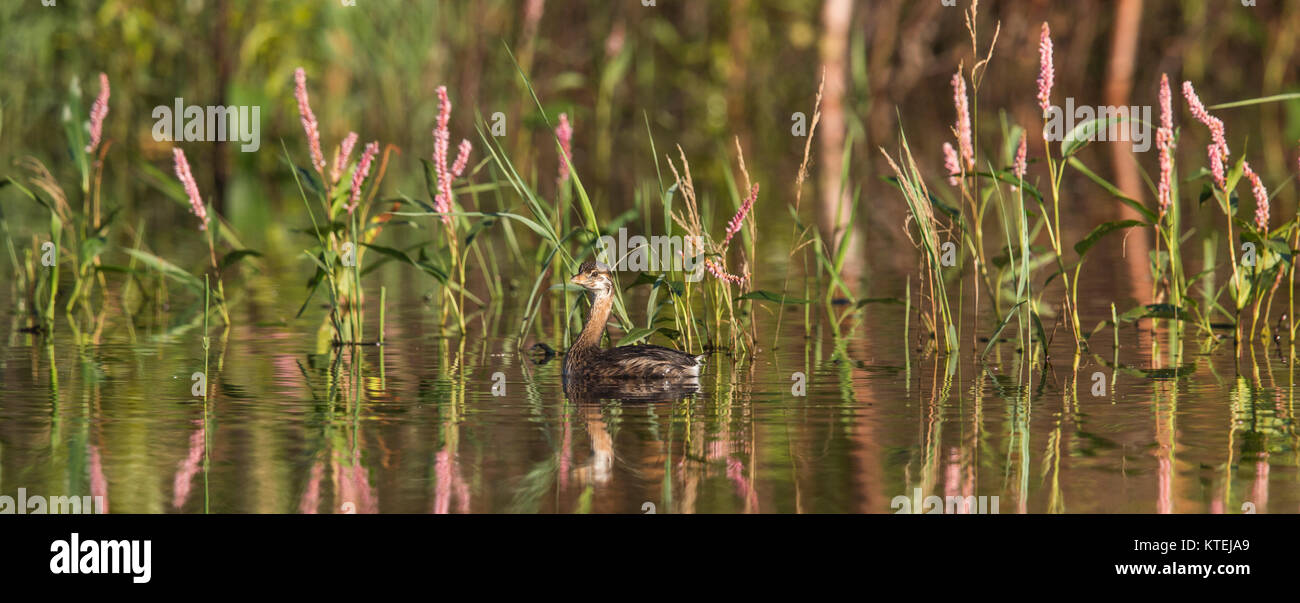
<point>527,45</point>
<point>740,59</point>
<point>1282,39</point>
<point>836,203</point>
<point>1119,88</point>
<point>220,162</point>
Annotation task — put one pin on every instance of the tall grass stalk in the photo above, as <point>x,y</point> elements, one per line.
<point>917,196</point>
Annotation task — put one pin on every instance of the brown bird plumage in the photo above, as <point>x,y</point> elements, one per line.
<point>586,360</point>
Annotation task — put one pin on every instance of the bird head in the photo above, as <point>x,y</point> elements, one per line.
<point>595,278</point>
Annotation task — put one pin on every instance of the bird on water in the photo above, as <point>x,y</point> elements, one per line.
<point>586,360</point>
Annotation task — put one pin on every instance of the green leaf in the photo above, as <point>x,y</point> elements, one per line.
<point>772,297</point>
<point>478,227</point>
<point>313,183</point>
<point>1084,133</point>
<point>1165,311</point>
<point>430,180</point>
<point>437,271</point>
<point>635,335</point>
<point>947,209</point>
<point>323,229</point>
<point>396,254</point>
<point>638,334</point>
<point>1113,190</point>
<point>91,248</point>
<point>1010,178</point>
<point>1102,230</point>
<point>29,193</point>
<point>1234,175</point>
<point>993,339</point>
<point>419,203</point>
<point>1040,331</point>
<point>235,256</point>
<point>1256,101</point>
<point>546,234</point>
<point>1206,193</point>
<point>312,286</point>
<point>656,281</point>
<point>167,269</point>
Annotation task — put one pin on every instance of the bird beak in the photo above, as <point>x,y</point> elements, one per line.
<point>575,280</point>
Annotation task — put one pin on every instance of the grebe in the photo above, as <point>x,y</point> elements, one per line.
<point>585,359</point>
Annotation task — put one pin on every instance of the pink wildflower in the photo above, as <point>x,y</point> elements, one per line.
<point>441,144</point>
<point>951,164</point>
<point>1021,164</point>
<point>1166,104</point>
<point>341,156</point>
<point>462,158</point>
<point>361,173</point>
<point>1261,197</point>
<point>309,124</point>
<point>564,132</point>
<point>734,225</point>
<point>962,127</point>
<point>191,188</point>
<point>1046,70</point>
<point>1216,165</point>
<point>1165,144</point>
<point>97,114</point>
<point>1218,151</point>
<point>719,273</point>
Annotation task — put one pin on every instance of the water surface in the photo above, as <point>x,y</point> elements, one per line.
<point>414,426</point>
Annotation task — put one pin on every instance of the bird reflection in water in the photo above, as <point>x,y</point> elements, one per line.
<point>590,395</point>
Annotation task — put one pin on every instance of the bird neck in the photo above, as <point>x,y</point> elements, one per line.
<point>596,319</point>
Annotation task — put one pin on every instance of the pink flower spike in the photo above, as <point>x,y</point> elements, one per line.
<point>1261,198</point>
<point>734,225</point>
<point>1216,165</point>
<point>441,144</point>
<point>441,141</point>
<point>98,112</point>
<point>362,172</point>
<point>951,164</point>
<point>1215,125</point>
<point>341,156</point>
<point>962,127</point>
<point>564,132</point>
<point>1046,70</point>
<point>1164,191</point>
<point>444,108</point>
<point>1165,144</point>
<point>1021,164</point>
<point>462,158</point>
<point>1166,104</point>
<point>309,124</point>
<point>719,273</point>
<point>191,188</point>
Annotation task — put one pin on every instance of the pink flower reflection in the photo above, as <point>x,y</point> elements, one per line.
<point>353,483</point>
<point>98,484</point>
<point>1259,492</point>
<point>1164,501</point>
<point>744,489</point>
<point>311,495</point>
<point>447,472</point>
<point>188,467</point>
